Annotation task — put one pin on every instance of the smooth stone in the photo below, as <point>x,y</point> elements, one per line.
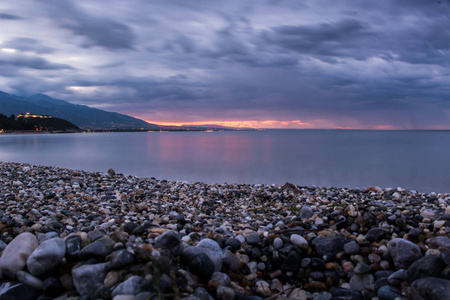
<point>121,259</point>
<point>73,246</point>
<point>29,280</point>
<point>263,288</point>
<point>361,268</point>
<point>46,256</point>
<point>215,257</point>
<point>235,244</point>
<point>298,294</point>
<point>299,241</point>
<point>221,278</point>
<point>341,293</point>
<point>113,277</point>
<point>86,277</point>
<point>374,258</point>
<point>46,236</point>
<point>360,282</point>
<point>96,249</point>
<point>231,261</point>
<point>253,239</point>
<point>225,293</point>
<point>129,227</point>
<point>291,262</point>
<point>427,266</point>
<point>351,248</point>
<point>241,238</point>
<point>306,212</point>
<point>14,257</point>
<point>20,291</point>
<point>324,245</point>
<point>202,266</point>
<point>277,243</point>
<point>440,242</point>
<point>2,245</point>
<point>403,252</point>
<point>202,294</point>
<point>261,266</point>
<point>128,287</point>
<point>375,234</point>
<point>398,277</point>
<point>171,241</point>
<point>439,224</point>
<point>210,244</point>
<point>387,293</point>
<point>428,213</point>
<point>430,288</point>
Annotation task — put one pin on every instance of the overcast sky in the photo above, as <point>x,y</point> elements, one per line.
<point>299,64</point>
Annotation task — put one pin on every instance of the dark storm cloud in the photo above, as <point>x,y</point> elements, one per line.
<point>174,89</point>
<point>19,62</point>
<point>341,38</point>
<point>95,29</point>
<point>377,62</point>
<point>28,44</point>
<point>6,16</point>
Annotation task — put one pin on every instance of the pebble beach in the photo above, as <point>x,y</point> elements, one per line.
<point>69,234</point>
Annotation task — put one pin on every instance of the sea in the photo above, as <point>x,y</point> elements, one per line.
<point>412,159</point>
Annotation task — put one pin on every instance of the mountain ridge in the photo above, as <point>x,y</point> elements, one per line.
<point>81,115</point>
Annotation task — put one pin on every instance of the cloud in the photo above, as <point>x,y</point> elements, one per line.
<point>28,44</point>
<point>6,16</point>
<point>19,61</point>
<point>327,63</point>
<point>96,30</point>
<point>341,39</point>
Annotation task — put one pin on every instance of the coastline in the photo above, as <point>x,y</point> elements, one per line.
<point>143,237</point>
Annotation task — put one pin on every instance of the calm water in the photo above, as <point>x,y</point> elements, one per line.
<point>410,159</point>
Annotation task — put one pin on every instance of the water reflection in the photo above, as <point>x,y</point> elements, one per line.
<point>410,159</point>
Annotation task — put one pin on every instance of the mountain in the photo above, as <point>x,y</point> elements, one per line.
<point>36,123</point>
<point>81,115</point>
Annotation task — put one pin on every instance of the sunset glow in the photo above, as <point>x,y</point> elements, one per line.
<point>274,124</point>
<point>242,124</point>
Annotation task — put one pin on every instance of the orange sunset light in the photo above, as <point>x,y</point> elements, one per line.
<point>242,124</point>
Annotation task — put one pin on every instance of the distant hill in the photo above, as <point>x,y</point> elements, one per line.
<point>40,123</point>
<point>81,115</point>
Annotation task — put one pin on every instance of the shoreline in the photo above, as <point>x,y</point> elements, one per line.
<point>142,236</point>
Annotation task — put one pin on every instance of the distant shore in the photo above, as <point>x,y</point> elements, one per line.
<point>105,234</point>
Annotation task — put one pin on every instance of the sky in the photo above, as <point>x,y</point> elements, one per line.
<point>356,64</point>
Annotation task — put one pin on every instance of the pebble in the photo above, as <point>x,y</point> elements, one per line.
<point>403,252</point>
<point>128,287</point>
<point>116,236</point>
<point>253,239</point>
<point>86,277</point>
<point>299,241</point>
<point>427,266</point>
<point>359,282</point>
<point>202,266</point>
<point>14,257</point>
<point>277,243</point>
<point>29,280</point>
<point>46,256</point>
<point>351,248</point>
<point>430,288</point>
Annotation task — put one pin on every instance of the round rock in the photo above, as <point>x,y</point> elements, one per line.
<point>14,257</point>
<point>46,256</point>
